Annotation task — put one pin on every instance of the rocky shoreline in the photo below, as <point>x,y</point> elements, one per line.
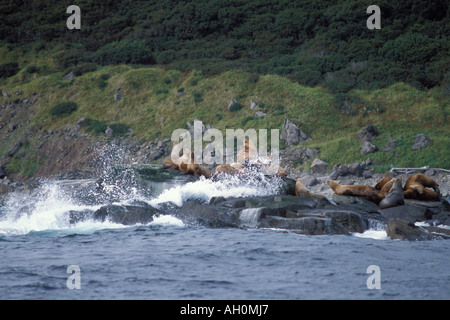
<point>310,215</point>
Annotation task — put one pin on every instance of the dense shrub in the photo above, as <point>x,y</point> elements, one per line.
<point>132,52</point>
<point>63,109</point>
<point>32,69</point>
<point>8,69</point>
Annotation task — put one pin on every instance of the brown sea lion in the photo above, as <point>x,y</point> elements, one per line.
<point>352,190</point>
<point>301,191</point>
<point>196,169</point>
<point>248,152</point>
<point>395,195</point>
<point>231,169</point>
<point>417,185</point>
<point>383,181</point>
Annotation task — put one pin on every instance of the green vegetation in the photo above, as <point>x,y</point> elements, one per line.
<point>314,62</point>
<point>63,109</point>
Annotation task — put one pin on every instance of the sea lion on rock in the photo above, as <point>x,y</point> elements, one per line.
<point>196,169</point>
<point>395,195</point>
<point>417,185</point>
<point>301,191</point>
<point>231,169</point>
<point>358,190</point>
<point>248,153</point>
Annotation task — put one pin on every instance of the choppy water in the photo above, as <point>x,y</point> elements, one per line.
<point>167,259</point>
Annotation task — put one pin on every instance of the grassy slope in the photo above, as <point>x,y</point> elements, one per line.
<point>151,107</point>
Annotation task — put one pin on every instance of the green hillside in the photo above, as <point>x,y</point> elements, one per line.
<point>314,62</point>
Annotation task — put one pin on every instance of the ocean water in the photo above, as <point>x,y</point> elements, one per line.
<point>168,259</point>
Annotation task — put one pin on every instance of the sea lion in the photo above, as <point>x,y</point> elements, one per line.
<point>248,152</point>
<point>231,169</point>
<point>351,190</point>
<point>395,195</point>
<point>301,191</point>
<point>196,169</point>
<point>417,185</point>
<point>383,181</point>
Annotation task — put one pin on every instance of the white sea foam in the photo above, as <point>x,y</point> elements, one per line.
<point>372,234</point>
<point>167,220</point>
<point>205,189</point>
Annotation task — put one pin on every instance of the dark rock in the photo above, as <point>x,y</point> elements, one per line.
<point>118,96</point>
<point>69,76</point>
<point>109,132</point>
<point>216,200</point>
<point>421,141</point>
<point>78,216</point>
<point>392,144</point>
<point>319,166</point>
<point>404,230</point>
<point>368,133</point>
<point>334,175</point>
<point>367,148</point>
<point>356,202</point>
<point>410,213</point>
<point>306,225</point>
<point>15,149</point>
<point>288,187</point>
<point>127,214</point>
<point>2,171</point>
<point>356,169</point>
<point>309,180</point>
<point>310,153</point>
<point>291,134</point>
<point>213,216</point>
<point>341,169</point>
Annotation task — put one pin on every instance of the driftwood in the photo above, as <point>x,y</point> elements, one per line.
<point>411,170</point>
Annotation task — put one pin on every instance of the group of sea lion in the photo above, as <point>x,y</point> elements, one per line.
<point>389,191</point>
<point>185,163</point>
<point>386,193</point>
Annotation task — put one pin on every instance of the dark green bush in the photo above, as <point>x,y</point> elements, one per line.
<point>32,69</point>
<point>63,109</point>
<point>235,107</point>
<point>126,51</point>
<point>197,97</point>
<point>95,126</point>
<point>8,69</point>
<point>83,68</point>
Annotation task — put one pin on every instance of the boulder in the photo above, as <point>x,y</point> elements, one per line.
<point>118,96</point>
<point>367,148</point>
<point>356,202</point>
<point>410,213</point>
<point>291,134</point>
<point>319,166</point>
<point>392,144</point>
<point>340,169</point>
<point>309,180</point>
<point>368,133</point>
<point>126,214</point>
<point>421,141</point>
<point>69,76</point>
<point>2,171</point>
<point>404,230</point>
<point>356,169</point>
<point>15,149</point>
<point>305,225</point>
